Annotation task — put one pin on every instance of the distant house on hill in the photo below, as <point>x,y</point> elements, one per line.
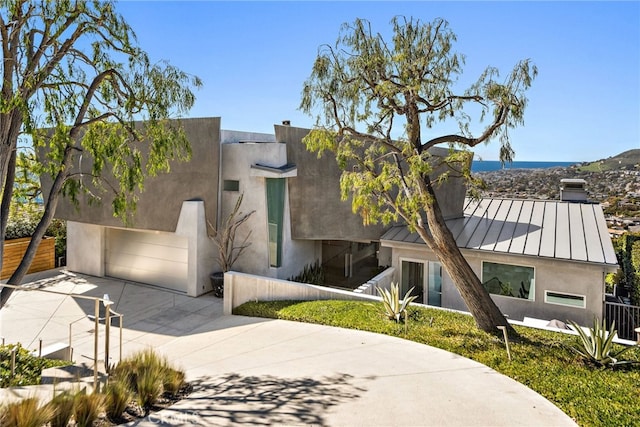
<point>544,259</point>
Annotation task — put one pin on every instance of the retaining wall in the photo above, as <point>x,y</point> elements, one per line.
<point>240,288</point>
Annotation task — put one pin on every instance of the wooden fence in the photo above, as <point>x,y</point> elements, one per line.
<point>15,249</point>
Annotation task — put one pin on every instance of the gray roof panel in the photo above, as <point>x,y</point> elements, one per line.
<point>520,234</point>
<point>578,238</point>
<point>607,249</point>
<point>564,231</point>
<point>550,229</point>
<point>534,233</point>
<point>548,239</point>
<point>593,244</point>
<point>491,239</point>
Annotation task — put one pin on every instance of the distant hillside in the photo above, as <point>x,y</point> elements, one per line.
<point>629,160</point>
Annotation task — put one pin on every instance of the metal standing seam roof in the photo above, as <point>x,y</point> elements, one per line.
<point>544,228</point>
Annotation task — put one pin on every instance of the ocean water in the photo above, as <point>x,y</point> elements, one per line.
<point>494,165</point>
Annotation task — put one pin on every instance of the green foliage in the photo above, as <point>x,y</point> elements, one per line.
<point>148,376</point>
<point>23,222</point>
<point>76,88</point>
<point>62,406</point>
<point>627,248</point>
<point>613,279</point>
<point>364,89</point>
<point>173,380</point>
<point>118,395</point>
<point>311,273</point>
<point>541,360</point>
<point>28,367</point>
<point>395,308</point>
<point>25,413</point>
<point>372,98</point>
<point>598,347</point>
<point>87,408</point>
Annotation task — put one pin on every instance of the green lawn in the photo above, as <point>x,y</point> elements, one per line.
<point>541,359</point>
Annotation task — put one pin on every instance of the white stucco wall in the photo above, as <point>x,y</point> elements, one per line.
<point>85,248</point>
<point>192,224</point>
<point>237,159</point>
<point>554,275</point>
<point>240,288</point>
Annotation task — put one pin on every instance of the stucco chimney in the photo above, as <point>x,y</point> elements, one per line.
<point>573,190</point>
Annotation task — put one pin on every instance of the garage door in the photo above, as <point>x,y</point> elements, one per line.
<point>148,257</point>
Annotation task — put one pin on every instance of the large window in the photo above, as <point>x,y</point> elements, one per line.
<point>514,281</point>
<point>275,218</point>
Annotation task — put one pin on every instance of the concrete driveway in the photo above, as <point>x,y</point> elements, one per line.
<point>249,371</point>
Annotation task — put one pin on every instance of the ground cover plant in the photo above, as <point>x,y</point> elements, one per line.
<point>541,360</point>
<point>142,383</point>
<point>28,368</point>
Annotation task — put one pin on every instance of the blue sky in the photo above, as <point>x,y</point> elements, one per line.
<point>253,58</point>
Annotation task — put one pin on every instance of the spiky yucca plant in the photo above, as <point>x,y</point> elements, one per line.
<point>25,413</point>
<point>393,307</point>
<point>598,347</point>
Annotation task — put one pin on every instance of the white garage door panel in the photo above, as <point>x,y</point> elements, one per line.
<point>156,258</point>
<point>152,251</point>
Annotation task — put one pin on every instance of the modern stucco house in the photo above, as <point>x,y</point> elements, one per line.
<point>539,259</point>
<point>548,258</point>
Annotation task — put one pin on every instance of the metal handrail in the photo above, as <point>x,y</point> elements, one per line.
<point>97,302</point>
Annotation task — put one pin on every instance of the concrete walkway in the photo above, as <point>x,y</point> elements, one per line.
<point>249,371</point>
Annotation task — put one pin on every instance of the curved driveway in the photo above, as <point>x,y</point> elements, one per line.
<point>249,371</point>
<point>271,372</point>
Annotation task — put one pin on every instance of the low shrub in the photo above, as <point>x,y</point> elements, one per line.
<point>148,376</point>
<point>28,368</point>
<point>312,274</point>
<point>25,413</point>
<point>174,380</point>
<point>87,408</point>
<point>145,377</point>
<point>62,406</point>
<point>118,395</point>
<point>23,223</point>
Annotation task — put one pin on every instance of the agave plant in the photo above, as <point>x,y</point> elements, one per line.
<point>394,307</point>
<point>598,345</point>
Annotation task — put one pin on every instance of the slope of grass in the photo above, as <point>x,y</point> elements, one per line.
<point>541,360</point>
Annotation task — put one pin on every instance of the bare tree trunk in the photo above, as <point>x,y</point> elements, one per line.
<point>439,238</point>
<point>41,228</point>
<point>7,195</point>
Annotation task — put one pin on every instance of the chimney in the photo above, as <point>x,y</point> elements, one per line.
<point>573,190</point>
